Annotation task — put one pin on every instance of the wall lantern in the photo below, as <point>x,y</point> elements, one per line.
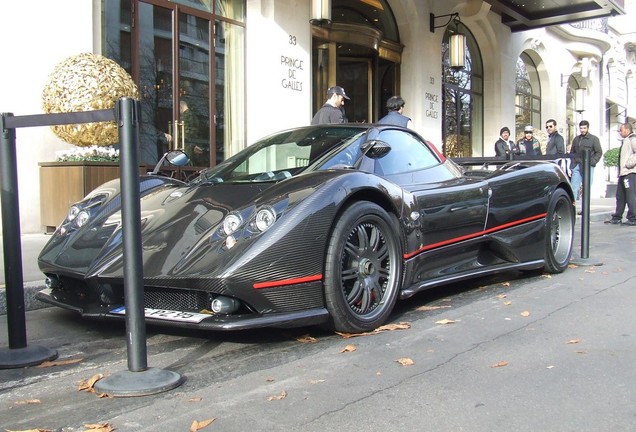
<point>579,100</point>
<point>456,42</point>
<point>320,12</point>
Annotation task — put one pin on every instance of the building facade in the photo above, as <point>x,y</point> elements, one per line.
<point>247,68</point>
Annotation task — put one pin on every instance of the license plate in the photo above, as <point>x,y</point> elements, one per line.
<point>168,315</point>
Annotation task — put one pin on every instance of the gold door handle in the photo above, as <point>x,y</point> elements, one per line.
<point>182,133</point>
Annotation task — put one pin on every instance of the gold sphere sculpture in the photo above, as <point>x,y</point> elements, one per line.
<point>87,82</point>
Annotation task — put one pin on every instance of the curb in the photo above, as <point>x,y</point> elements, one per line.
<point>30,303</point>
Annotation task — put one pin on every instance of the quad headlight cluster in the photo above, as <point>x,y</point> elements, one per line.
<point>79,214</point>
<point>249,222</point>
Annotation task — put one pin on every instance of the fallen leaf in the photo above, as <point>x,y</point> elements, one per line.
<point>506,284</point>
<point>348,348</point>
<point>198,425</point>
<point>581,352</point>
<point>507,303</point>
<point>87,385</point>
<point>30,430</point>
<point>317,381</point>
<point>47,364</point>
<point>195,399</point>
<point>573,341</point>
<point>445,321</point>
<point>388,327</point>
<point>572,266</point>
<point>306,339</point>
<point>500,364</point>
<point>550,367</point>
<point>546,276</point>
<point>98,427</point>
<point>282,395</point>
<point>28,402</point>
<point>270,379</point>
<point>405,361</point>
<point>502,296</point>
<point>430,308</point>
<point>525,314</point>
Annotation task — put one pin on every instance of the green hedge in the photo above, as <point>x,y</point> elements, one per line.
<point>610,157</point>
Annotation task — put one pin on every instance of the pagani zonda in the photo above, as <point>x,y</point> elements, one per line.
<point>325,225</point>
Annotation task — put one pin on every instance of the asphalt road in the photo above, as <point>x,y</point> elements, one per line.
<point>515,352</point>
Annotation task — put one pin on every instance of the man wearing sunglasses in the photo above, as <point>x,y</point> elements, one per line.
<point>556,144</point>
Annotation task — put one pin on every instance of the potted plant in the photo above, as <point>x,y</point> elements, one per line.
<point>610,159</point>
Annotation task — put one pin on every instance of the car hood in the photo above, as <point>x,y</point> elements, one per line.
<point>178,223</point>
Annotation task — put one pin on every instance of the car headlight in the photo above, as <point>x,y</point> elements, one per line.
<point>73,212</point>
<point>231,223</point>
<point>82,218</point>
<point>265,218</point>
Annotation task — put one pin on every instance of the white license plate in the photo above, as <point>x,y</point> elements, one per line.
<point>168,315</point>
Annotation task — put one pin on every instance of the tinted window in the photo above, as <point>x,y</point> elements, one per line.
<point>407,154</point>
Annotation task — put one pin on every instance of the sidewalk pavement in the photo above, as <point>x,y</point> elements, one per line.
<point>32,244</point>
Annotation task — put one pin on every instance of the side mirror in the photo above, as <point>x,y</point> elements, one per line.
<point>174,157</point>
<point>376,149</point>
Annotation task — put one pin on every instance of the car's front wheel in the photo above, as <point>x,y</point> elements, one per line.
<point>363,268</point>
<point>559,232</point>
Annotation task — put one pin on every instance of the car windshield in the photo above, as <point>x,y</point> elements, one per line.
<point>287,153</point>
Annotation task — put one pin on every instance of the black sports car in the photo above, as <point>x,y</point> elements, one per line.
<point>323,225</point>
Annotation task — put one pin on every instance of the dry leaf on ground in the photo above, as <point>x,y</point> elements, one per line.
<point>388,327</point>
<point>28,402</point>
<point>573,341</point>
<point>87,385</point>
<point>500,364</point>
<point>306,339</point>
<point>349,348</point>
<point>316,381</point>
<point>501,296</point>
<point>280,396</point>
<point>98,427</point>
<point>198,425</point>
<point>405,361</point>
<point>506,284</point>
<point>47,364</point>
<point>445,321</point>
<point>507,303</point>
<point>195,399</point>
<point>430,308</point>
<point>525,314</point>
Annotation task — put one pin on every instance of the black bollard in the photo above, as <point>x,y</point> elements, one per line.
<point>139,380</point>
<point>19,354</point>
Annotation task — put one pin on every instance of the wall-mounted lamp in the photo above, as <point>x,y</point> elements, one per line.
<point>456,42</point>
<point>579,100</point>
<point>320,12</point>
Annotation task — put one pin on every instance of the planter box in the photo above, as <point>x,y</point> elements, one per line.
<point>62,184</point>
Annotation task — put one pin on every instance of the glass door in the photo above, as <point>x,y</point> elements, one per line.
<point>173,59</point>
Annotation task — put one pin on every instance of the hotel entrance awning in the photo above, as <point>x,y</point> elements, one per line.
<point>524,15</point>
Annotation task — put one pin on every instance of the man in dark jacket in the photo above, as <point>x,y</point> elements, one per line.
<point>556,144</point>
<point>584,140</point>
<point>504,146</point>
<point>395,106</point>
<point>333,110</point>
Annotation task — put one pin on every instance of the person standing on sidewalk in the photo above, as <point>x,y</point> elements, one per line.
<point>585,140</point>
<point>556,144</point>
<point>332,112</point>
<point>395,116</point>
<point>626,187</point>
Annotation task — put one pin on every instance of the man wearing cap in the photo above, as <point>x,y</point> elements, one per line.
<point>529,144</point>
<point>504,146</point>
<point>333,110</point>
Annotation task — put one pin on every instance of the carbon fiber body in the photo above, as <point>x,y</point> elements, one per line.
<point>452,225</point>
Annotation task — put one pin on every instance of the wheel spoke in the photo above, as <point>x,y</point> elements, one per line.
<point>355,293</point>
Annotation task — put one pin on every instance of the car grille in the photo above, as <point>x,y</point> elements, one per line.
<point>179,300</point>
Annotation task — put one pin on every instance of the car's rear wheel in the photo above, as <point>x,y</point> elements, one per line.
<point>363,268</point>
<point>559,232</point>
